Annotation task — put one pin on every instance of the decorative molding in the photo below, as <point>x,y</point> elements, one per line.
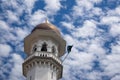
<point>43,58</point>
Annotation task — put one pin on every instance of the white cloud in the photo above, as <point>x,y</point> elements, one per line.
<point>77,11</point>
<point>84,4</point>
<point>16,73</point>
<point>3,25</point>
<point>111,64</point>
<point>38,17</point>
<point>96,49</point>
<point>114,12</point>
<point>7,36</point>
<point>117,11</point>
<point>68,25</point>
<point>109,20</point>
<point>87,30</point>
<point>96,11</point>
<point>117,77</point>
<point>94,75</point>
<point>18,7</point>
<point>21,33</point>
<point>12,17</point>
<point>83,60</point>
<point>77,62</point>
<point>13,35</point>
<point>95,1</point>
<point>5,50</point>
<point>86,8</point>
<point>4,68</point>
<point>52,6</point>
<point>69,39</point>
<point>115,29</point>
<point>29,4</point>
<point>115,48</point>
<point>112,19</point>
<point>14,5</point>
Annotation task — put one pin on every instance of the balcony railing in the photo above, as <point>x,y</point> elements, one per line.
<point>44,54</point>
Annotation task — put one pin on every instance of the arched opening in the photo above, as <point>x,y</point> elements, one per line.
<point>53,49</point>
<point>34,48</point>
<point>44,47</point>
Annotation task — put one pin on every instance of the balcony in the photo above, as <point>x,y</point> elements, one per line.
<point>43,54</point>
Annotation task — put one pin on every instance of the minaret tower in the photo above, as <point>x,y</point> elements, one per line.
<point>44,47</point>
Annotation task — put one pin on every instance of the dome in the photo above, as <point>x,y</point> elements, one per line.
<point>47,26</point>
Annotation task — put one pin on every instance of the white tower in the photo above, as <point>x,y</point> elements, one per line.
<point>44,47</point>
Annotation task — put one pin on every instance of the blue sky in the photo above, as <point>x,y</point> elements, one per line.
<point>92,26</point>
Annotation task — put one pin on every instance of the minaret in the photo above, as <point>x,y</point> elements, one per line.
<point>44,47</point>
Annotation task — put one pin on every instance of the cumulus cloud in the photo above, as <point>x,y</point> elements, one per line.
<point>5,69</point>
<point>16,72</point>
<point>115,29</point>
<point>111,65</point>
<point>3,25</point>
<point>109,20</point>
<point>94,75</point>
<point>117,77</point>
<point>5,50</point>
<point>12,17</point>
<point>52,6</point>
<point>96,49</point>
<point>21,33</point>
<point>29,5</point>
<point>13,35</point>
<point>79,62</point>
<point>87,30</point>
<point>38,17</point>
<point>115,11</point>
<point>5,35</point>
<point>115,48</point>
<point>85,7</point>
<point>112,19</point>
<point>94,46</point>
<point>68,25</point>
<point>14,5</point>
<point>76,63</point>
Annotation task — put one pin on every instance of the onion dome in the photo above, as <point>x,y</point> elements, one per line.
<point>47,26</point>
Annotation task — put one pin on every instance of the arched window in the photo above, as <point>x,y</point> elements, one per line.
<point>34,48</point>
<point>44,47</point>
<point>53,49</point>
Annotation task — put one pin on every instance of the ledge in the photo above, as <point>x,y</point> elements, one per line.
<point>43,54</point>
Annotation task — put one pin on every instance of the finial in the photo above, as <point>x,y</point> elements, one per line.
<point>46,21</point>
